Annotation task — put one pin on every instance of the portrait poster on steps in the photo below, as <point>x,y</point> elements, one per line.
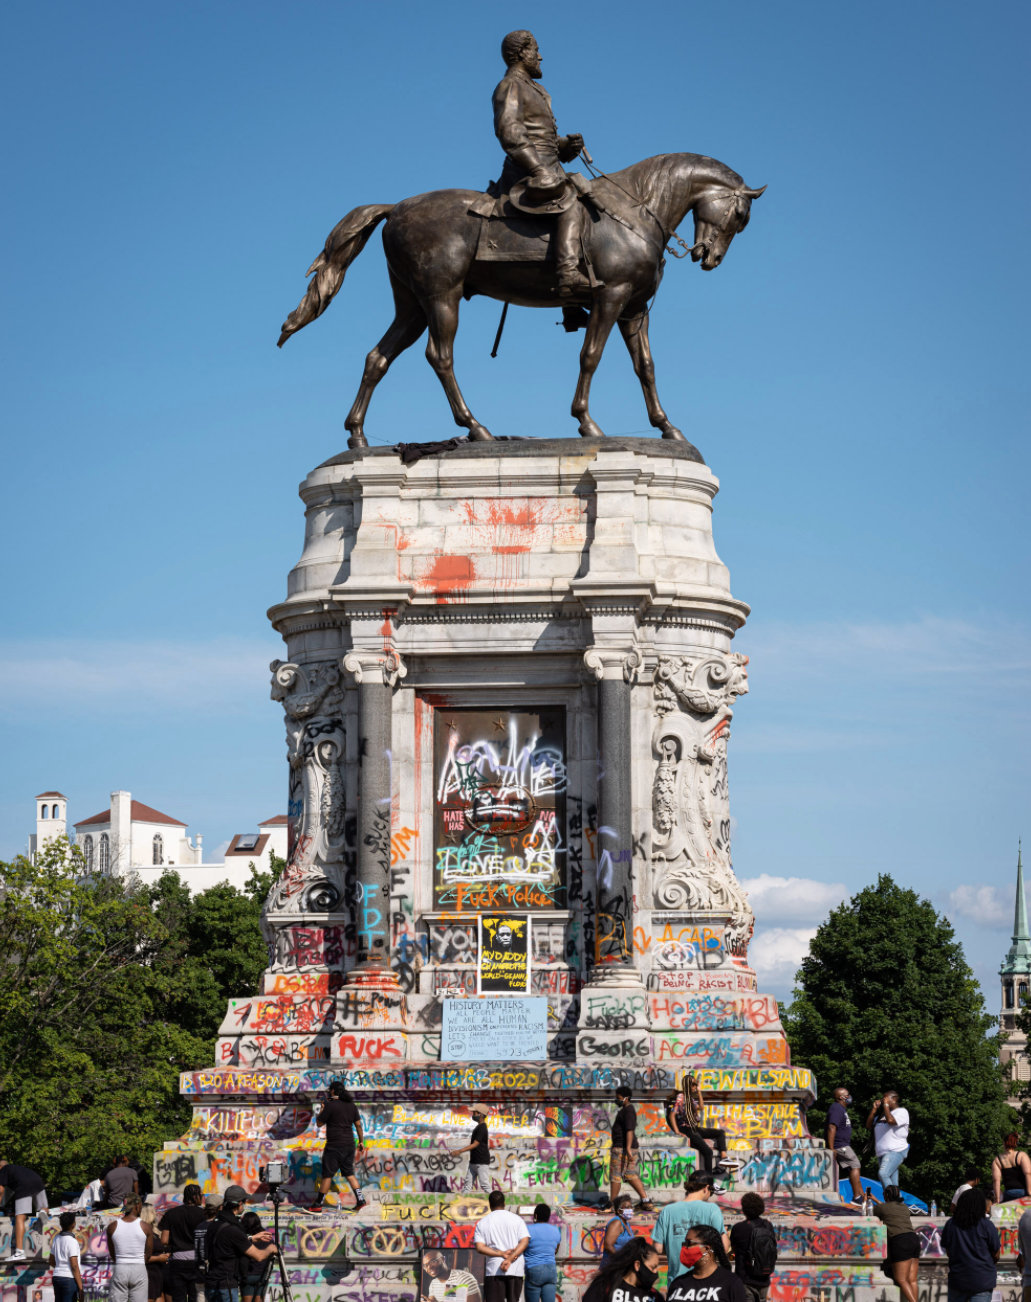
<point>504,955</point>
<point>452,1275</point>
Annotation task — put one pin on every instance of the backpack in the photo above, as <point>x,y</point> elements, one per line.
<point>761,1253</point>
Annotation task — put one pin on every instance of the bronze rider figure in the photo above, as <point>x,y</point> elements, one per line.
<point>532,176</point>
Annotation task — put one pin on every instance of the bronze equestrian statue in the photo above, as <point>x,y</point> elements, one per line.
<point>537,238</point>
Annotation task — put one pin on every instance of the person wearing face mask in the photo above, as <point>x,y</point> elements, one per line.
<point>839,1140</point>
<point>707,1277</point>
<point>629,1276</point>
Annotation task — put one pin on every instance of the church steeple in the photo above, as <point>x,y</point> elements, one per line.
<point>1018,958</point>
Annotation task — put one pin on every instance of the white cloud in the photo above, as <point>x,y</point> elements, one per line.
<point>75,676</point>
<point>988,906</point>
<point>776,954</point>
<point>792,899</point>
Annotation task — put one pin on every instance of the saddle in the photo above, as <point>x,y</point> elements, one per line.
<point>510,235</point>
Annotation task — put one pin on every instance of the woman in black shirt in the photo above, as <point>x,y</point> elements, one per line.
<point>704,1255</point>
<point>629,1276</point>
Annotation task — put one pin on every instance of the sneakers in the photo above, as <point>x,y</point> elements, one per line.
<point>317,1206</point>
<point>359,1205</point>
<point>645,1206</point>
<point>17,1255</point>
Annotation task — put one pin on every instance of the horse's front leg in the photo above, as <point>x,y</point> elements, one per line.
<point>635,335</point>
<point>442,316</point>
<point>605,310</point>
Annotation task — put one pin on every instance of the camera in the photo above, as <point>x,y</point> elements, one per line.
<point>274,1174</point>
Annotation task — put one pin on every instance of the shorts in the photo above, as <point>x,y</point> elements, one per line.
<point>904,1247</point>
<point>626,1163</point>
<point>847,1159</point>
<point>31,1203</point>
<point>338,1159</point>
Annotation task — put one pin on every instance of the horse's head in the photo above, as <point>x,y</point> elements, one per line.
<point>718,216</point>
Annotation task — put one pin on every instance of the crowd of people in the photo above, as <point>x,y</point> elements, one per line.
<point>210,1250</point>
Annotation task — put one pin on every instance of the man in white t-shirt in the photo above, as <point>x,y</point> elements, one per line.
<point>973,1177</point>
<point>501,1237</point>
<point>890,1125</point>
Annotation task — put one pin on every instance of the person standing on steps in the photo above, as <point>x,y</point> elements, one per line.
<point>478,1175</point>
<point>539,1257</point>
<point>676,1219</point>
<point>754,1244</point>
<point>903,1242</point>
<point>27,1193</point>
<point>129,1243</point>
<point>228,1245</point>
<point>1011,1171</point>
<point>890,1124</point>
<point>624,1156</point>
<point>970,1240</point>
<point>64,1259</point>
<point>501,1237</point>
<point>341,1118</point>
<point>617,1232</point>
<point>178,1228</point>
<point>839,1141</point>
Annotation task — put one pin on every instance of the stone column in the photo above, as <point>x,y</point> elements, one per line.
<point>375,675</point>
<point>614,921</point>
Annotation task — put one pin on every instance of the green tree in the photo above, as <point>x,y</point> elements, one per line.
<point>108,990</point>
<point>885,999</point>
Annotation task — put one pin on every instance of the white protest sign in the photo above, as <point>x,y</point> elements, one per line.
<point>494,1030</point>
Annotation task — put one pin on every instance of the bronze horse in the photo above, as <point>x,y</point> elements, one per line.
<point>430,241</point>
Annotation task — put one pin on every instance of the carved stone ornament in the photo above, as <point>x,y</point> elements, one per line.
<point>690,798</point>
<point>630,663</point>
<point>391,666</point>
<point>313,701</point>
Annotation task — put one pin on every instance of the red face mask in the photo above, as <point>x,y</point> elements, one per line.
<point>691,1254</point>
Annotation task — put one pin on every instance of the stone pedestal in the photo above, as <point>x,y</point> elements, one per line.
<point>508,688</point>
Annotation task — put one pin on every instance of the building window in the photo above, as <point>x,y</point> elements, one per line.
<point>105,853</point>
<point>1022,993</point>
<point>159,850</point>
<point>1023,1069</point>
<point>87,850</point>
<point>43,812</point>
<point>55,812</point>
<point>1008,990</point>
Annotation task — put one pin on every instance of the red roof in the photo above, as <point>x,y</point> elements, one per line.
<point>280,820</point>
<point>255,849</point>
<point>139,813</point>
<point>43,795</point>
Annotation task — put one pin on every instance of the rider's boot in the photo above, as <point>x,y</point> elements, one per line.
<point>571,280</point>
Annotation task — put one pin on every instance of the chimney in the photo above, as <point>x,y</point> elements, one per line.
<point>121,831</point>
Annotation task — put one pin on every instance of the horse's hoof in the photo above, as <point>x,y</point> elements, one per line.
<point>479,434</point>
<point>589,430</point>
<point>357,439</point>
<point>671,432</point>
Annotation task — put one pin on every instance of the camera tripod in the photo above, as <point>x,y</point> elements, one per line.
<point>277,1257</point>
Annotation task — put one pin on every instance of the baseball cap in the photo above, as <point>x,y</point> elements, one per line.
<point>213,1200</point>
<point>235,1194</point>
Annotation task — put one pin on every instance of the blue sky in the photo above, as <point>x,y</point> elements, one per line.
<point>851,373</point>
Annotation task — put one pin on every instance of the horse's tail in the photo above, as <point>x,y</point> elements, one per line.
<point>346,240</point>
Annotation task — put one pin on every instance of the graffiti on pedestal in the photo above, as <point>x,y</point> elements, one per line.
<point>499,810</point>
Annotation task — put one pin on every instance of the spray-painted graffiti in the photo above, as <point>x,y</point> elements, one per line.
<point>750,1122</point>
<point>614,1010</point>
<point>272,1050</point>
<point>840,1240</point>
<point>230,1121</point>
<point>302,983</point>
<point>711,1050</point>
<point>723,981</point>
<point>713,1012</point>
<point>802,1168</point>
<point>796,1079</point>
<point>499,809</point>
<point>280,1014</point>
<point>293,946</point>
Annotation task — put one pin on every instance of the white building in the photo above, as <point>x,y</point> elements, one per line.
<point>130,836</point>
<point>51,820</point>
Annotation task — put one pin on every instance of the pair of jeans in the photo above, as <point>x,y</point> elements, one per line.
<point>478,1177</point>
<point>957,1295</point>
<point>888,1164</point>
<point>65,1289</point>
<point>697,1138</point>
<point>223,1293</point>
<point>541,1282</point>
